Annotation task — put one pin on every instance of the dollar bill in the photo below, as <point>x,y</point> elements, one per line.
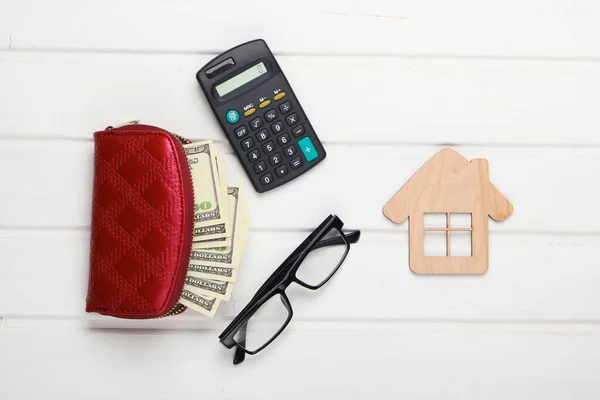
<point>220,235</point>
<point>209,233</point>
<point>223,241</point>
<point>222,176</point>
<point>204,287</point>
<point>222,230</point>
<point>204,305</point>
<point>211,272</point>
<point>222,180</point>
<point>226,274</point>
<point>209,244</point>
<point>208,203</point>
<point>226,256</point>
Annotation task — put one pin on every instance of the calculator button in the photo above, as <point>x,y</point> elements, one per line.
<point>232,116</point>
<point>269,147</point>
<point>266,179</point>
<point>262,135</point>
<point>247,144</point>
<point>254,155</point>
<point>249,112</point>
<point>271,115</point>
<point>290,151</point>
<point>307,148</point>
<point>240,132</point>
<point>283,139</point>
<point>277,127</point>
<point>298,131</point>
<point>255,123</point>
<point>279,96</point>
<point>281,171</point>
<point>296,163</point>
<point>275,159</point>
<point>285,107</point>
<point>264,104</point>
<point>260,167</point>
<point>291,119</point>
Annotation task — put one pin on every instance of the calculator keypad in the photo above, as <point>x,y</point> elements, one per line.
<point>277,145</point>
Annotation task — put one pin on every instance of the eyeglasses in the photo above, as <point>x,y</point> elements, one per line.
<point>268,313</point>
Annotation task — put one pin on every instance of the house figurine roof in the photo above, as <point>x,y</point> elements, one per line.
<point>448,182</point>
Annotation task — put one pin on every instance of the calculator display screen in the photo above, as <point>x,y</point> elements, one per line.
<point>241,79</point>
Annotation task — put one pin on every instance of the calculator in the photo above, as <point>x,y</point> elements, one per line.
<point>260,115</point>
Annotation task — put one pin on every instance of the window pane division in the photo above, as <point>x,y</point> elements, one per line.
<point>456,230</point>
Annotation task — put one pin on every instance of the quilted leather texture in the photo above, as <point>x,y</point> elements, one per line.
<point>142,218</point>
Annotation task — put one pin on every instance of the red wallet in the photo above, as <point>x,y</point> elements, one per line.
<point>141,224</point>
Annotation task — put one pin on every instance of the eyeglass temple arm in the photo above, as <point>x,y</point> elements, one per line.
<point>240,355</point>
<point>352,237</point>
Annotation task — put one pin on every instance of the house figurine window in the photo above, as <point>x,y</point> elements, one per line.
<point>448,202</point>
<point>447,234</point>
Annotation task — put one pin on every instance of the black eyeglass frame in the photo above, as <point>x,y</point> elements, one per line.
<point>281,278</point>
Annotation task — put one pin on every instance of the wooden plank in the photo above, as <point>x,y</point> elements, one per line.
<point>531,277</point>
<point>408,100</point>
<point>50,186</point>
<point>513,28</point>
<point>425,361</point>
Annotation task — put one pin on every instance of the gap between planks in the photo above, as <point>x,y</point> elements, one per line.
<point>198,323</point>
<point>308,54</point>
<point>340,143</point>
<point>392,231</point>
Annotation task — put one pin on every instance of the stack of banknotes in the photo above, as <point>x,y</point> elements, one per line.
<point>220,231</point>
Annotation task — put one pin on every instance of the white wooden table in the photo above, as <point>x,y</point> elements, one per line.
<point>386,85</point>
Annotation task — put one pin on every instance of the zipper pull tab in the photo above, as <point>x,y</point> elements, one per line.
<point>134,122</point>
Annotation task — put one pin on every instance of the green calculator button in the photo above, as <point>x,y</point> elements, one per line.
<point>309,151</point>
<point>232,116</point>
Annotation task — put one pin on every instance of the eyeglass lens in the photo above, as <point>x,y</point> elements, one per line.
<point>264,324</point>
<point>273,315</point>
<point>321,262</point>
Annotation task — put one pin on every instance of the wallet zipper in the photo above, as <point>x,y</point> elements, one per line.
<point>178,308</point>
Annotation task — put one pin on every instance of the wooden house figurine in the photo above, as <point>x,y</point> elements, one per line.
<point>448,185</point>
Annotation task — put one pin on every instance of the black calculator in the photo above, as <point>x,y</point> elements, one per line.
<point>260,114</point>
